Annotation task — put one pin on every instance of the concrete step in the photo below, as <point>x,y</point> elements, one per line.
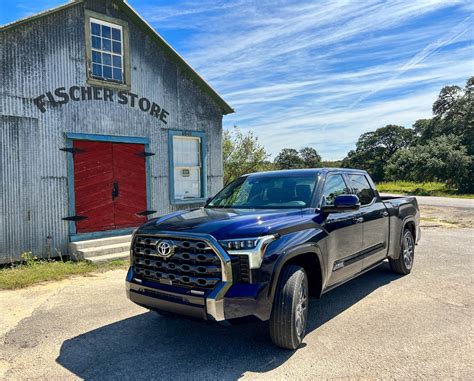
<point>100,242</point>
<point>99,247</point>
<point>104,250</point>
<point>110,257</point>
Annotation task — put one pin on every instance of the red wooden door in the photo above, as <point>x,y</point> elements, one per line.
<point>130,176</point>
<point>109,185</point>
<point>93,180</point>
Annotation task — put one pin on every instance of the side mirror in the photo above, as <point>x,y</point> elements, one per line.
<point>343,203</point>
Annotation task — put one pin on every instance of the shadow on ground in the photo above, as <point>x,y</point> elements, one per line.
<point>151,346</point>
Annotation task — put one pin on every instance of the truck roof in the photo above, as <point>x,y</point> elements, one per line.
<point>306,171</point>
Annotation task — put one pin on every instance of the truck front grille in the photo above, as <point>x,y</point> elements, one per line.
<point>194,264</point>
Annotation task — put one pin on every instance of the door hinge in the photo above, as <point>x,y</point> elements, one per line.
<point>145,154</point>
<point>72,150</point>
<point>146,212</point>
<point>75,218</point>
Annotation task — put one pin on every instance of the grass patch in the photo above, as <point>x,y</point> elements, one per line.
<point>36,271</point>
<point>420,189</point>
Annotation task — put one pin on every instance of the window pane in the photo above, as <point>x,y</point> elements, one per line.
<point>187,183</point>
<point>117,74</point>
<point>96,43</point>
<point>334,187</point>
<point>96,57</point>
<point>117,61</point>
<point>107,59</point>
<point>360,186</point>
<point>106,45</point>
<point>106,32</point>
<point>95,29</point>
<point>116,47</point>
<point>107,71</point>
<point>97,70</point>
<point>186,152</point>
<point>116,34</point>
<point>105,40</point>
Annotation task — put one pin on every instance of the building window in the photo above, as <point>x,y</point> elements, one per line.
<point>187,160</point>
<point>107,50</point>
<point>107,41</point>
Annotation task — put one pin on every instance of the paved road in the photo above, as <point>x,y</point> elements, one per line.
<point>377,326</point>
<point>450,202</point>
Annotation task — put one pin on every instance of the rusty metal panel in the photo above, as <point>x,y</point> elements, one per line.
<point>50,52</point>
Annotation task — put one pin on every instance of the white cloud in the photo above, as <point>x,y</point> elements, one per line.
<point>321,73</point>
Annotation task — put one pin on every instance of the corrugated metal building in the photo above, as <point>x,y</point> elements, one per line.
<point>102,125</point>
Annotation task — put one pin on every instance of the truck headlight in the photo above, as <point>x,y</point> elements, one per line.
<point>254,248</point>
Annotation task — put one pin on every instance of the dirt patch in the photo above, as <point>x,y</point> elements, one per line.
<point>446,217</point>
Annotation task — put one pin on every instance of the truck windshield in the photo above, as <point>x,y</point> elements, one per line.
<point>267,192</point>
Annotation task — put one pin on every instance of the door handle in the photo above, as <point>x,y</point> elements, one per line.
<point>384,214</point>
<point>358,220</point>
<point>115,190</point>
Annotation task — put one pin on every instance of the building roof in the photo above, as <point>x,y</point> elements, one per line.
<point>148,29</point>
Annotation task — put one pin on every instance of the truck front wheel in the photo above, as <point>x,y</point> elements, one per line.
<point>290,308</point>
<point>404,263</point>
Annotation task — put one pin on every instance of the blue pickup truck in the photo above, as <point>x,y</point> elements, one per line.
<point>268,241</point>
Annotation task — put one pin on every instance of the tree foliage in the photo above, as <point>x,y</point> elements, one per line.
<point>289,158</point>
<point>242,154</point>
<point>442,159</point>
<point>440,148</point>
<point>375,148</point>
<point>310,157</point>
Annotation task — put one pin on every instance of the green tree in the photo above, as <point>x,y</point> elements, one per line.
<point>242,154</point>
<point>310,157</point>
<point>288,158</point>
<point>443,159</point>
<point>374,149</point>
<point>453,115</point>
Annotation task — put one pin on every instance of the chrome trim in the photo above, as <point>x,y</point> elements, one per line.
<point>215,300</point>
<point>256,254</point>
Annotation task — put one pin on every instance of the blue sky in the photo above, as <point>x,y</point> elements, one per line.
<point>314,73</point>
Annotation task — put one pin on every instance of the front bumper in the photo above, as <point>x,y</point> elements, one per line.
<point>240,300</point>
<point>227,300</point>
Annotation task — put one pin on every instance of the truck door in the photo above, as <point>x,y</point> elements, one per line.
<point>344,240</point>
<point>375,228</point>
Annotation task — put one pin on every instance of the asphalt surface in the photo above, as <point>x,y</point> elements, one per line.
<point>379,325</point>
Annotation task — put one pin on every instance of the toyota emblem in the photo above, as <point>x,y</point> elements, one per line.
<point>165,248</point>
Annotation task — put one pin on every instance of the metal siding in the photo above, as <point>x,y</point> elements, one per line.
<point>48,53</point>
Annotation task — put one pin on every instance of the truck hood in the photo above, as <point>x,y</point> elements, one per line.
<point>229,223</point>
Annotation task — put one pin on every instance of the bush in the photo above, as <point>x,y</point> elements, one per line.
<point>441,159</point>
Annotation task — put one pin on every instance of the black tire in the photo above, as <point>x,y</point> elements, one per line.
<point>404,263</point>
<point>290,308</point>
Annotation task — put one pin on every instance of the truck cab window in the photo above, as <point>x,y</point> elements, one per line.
<point>334,186</point>
<point>361,187</point>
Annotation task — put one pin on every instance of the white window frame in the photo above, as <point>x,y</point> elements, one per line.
<point>202,170</point>
<point>114,26</point>
<point>93,17</point>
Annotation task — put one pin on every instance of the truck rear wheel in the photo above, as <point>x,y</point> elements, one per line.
<point>290,308</point>
<point>404,263</point>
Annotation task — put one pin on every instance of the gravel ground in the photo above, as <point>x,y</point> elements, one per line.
<point>377,326</point>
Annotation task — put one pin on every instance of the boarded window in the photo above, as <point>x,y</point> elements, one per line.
<point>187,167</point>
